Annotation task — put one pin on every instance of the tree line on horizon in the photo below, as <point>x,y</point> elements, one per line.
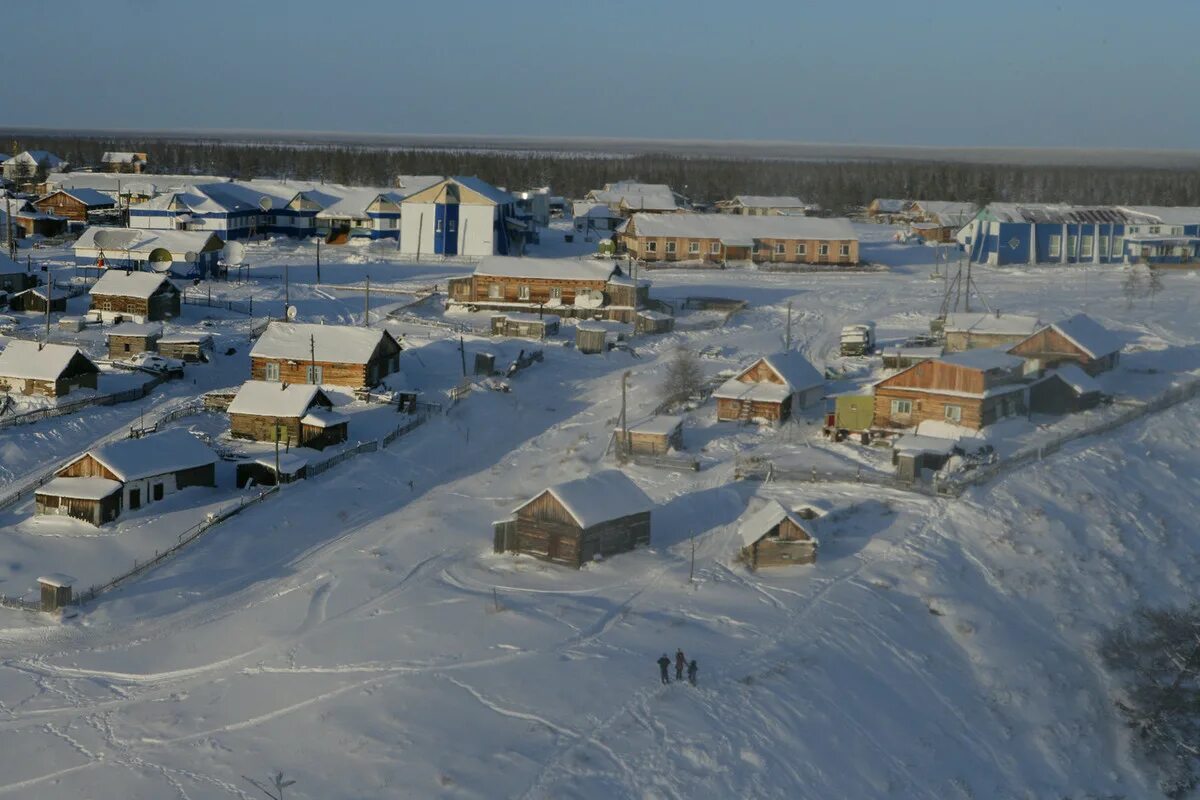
<point>840,186</point>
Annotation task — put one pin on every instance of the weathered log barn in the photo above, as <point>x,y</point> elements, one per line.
<point>336,355</point>
<point>974,388</point>
<point>130,338</point>
<point>36,300</point>
<point>190,347</point>
<point>14,276</point>
<point>525,325</point>
<point>723,238</point>
<point>100,484</point>
<point>1078,339</point>
<point>772,388</point>
<point>74,204</point>
<point>968,331</point>
<point>1064,389</point>
<point>52,370</point>
<point>655,436</point>
<point>296,413</point>
<point>575,522</point>
<point>567,287</point>
<point>773,536</point>
<point>136,296</point>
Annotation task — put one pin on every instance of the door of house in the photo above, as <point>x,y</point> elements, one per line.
<point>158,491</point>
<point>135,499</point>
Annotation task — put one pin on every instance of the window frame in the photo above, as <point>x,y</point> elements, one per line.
<point>956,417</point>
<point>901,407</point>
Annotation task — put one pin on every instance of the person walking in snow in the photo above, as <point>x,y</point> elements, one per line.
<point>664,664</point>
<point>692,669</point>
<point>680,664</point>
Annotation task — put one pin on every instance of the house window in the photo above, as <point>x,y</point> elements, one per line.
<point>522,292</point>
<point>555,292</point>
<point>494,291</point>
<point>272,371</point>
<point>1086,247</point>
<point>714,248</point>
<point>1056,245</point>
<point>313,373</point>
<point>693,247</point>
<point>1155,229</point>
<point>801,248</point>
<point>844,250</point>
<point>953,413</point>
<point>451,225</point>
<point>1177,230</point>
<point>437,226</point>
<point>779,248</point>
<point>126,346</point>
<point>823,249</point>
<point>1072,246</point>
<point>1104,247</point>
<point>281,433</point>
<point>651,246</point>
<point>1132,229</point>
<point>1118,247</point>
<point>670,247</point>
<point>901,408</point>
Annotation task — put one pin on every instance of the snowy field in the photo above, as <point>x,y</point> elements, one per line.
<point>357,632</point>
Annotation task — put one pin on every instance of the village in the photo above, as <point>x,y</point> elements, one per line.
<point>541,415</point>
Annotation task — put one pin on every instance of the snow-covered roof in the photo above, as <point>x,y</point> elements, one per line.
<point>595,210</point>
<point>324,418</point>
<point>57,579</point>
<point>1073,375</point>
<point>600,497</point>
<point>289,463</point>
<point>984,358</point>
<point>754,524</point>
<point>354,203</point>
<point>1056,213</point>
<point>798,374</point>
<point>794,368</point>
<point>158,454</point>
<point>769,201</point>
<point>912,443</point>
<point>9,266</point>
<point>119,283</point>
<point>186,338</point>
<point>741,227</point>
<point>1088,335</point>
<point>497,196</point>
<point>524,316</point>
<point>114,157</point>
<point>948,213</point>
<point>889,205</point>
<point>272,399</point>
<point>733,389</point>
<point>1166,215</point>
<point>564,269</point>
<point>80,488</point>
<point>36,157</point>
<point>141,242</point>
<point>89,197</point>
<point>663,425</point>
<point>22,359</point>
<point>346,344</point>
<point>135,329</point>
<point>991,323</point>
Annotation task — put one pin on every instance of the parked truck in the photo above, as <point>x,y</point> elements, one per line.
<point>850,414</point>
<point>858,339</point>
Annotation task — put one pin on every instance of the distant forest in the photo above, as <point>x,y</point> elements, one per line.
<point>839,186</point>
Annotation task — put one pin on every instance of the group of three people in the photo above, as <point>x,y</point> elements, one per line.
<point>681,664</point>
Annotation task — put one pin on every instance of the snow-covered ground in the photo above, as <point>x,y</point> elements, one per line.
<point>357,632</point>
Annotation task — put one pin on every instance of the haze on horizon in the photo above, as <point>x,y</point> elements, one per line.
<point>1025,73</point>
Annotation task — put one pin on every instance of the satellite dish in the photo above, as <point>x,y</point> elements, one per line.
<point>114,238</point>
<point>589,298</point>
<point>265,203</point>
<point>190,256</point>
<point>291,313</point>
<point>235,253</point>
<point>160,259</point>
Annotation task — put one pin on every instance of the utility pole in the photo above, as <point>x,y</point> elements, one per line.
<point>367,304</point>
<point>462,352</point>
<point>49,295</point>
<point>312,357</point>
<point>967,306</point>
<point>277,451</point>
<point>624,448</point>
<point>789,328</point>
<point>692,570</point>
<point>287,302</point>
<point>318,260</point>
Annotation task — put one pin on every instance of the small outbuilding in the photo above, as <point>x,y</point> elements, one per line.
<point>913,453</point>
<point>300,414</point>
<point>1064,390</point>
<point>1078,339</point>
<point>655,436</point>
<point>52,370</point>
<point>55,590</point>
<point>129,338</point>
<point>138,296</point>
<point>94,500</point>
<point>527,326</point>
<point>599,335</point>
<point>968,331</point>
<point>189,347</point>
<point>578,521</point>
<point>654,322</point>
<point>261,470</point>
<point>773,536</point>
<point>37,299</point>
<point>772,388</point>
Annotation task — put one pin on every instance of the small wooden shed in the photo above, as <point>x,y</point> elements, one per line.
<point>773,536</point>
<point>189,347</point>
<point>94,500</point>
<point>654,322</point>
<point>1064,390</point>
<point>578,521</point>
<point>292,466</point>
<point>591,338</point>
<point>52,370</point>
<point>527,326</point>
<point>56,590</point>
<point>36,300</point>
<point>130,338</point>
<point>912,453</point>
<point>655,436</point>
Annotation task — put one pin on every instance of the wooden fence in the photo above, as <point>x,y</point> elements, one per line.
<point>236,306</point>
<point>31,417</point>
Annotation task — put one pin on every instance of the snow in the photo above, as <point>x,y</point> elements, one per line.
<point>58,580</point>
<point>755,524</point>
<point>523,316</point>
<point>324,418</point>
<point>769,201</point>
<point>796,370</point>
<point>119,283</point>
<point>157,454</point>
<point>984,359</point>
<point>274,399</point>
<point>991,323</point>
<point>546,268</point>
<point>600,497</point>
<point>89,197</point>
<point>296,341</point>
<point>1074,376</point>
<point>141,243</point>
<point>22,359</point>
<point>741,227</point>
<point>915,444</point>
<point>1088,335</point>
<point>151,329</point>
<point>80,488</point>
<point>663,425</point>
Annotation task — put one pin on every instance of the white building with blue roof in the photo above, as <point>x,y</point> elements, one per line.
<point>461,216</point>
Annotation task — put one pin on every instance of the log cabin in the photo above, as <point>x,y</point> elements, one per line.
<point>299,414</point>
<point>335,355</point>
<point>655,436</point>
<point>125,475</point>
<point>1065,389</point>
<point>567,287</point>
<point>1078,339</point>
<point>133,163</point>
<point>14,276</point>
<point>51,370</point>
<point>772,388</point>
<point>74,204</point>
<point>189,347</point>
<point>136,296</point>
<point>970,330</point>
<point>129,338</point>
<point>974,389</point>
<point>940,220</point>
<point>773,536</point>
<point>578,521</point>
<point>37,299</point>
<point>754,205</point>
<point>724,238</point>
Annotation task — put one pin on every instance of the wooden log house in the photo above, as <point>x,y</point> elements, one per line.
<point>578,521</point>
<point>37,299</point>
<point>74,204</point>
<point>772,388</point>
<point>722,238</point>
<point>298,414</point>
<point>135,296</point>
<point>51,370</point>
<point>974,388</point>
<point>189,347</point>
<point>774,536</point>
<point>565,287</point>
<point>1078,340</point>
<point>970,330</point>
<point>129,338</point>
<point>335,355</point>
<point>655,436</point>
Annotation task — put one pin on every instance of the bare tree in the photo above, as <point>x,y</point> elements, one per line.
<point>1156,657</point>
<point>277,780</point>
<point>684,378</point>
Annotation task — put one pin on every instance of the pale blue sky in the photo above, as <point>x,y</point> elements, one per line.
<point>935,72</point>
